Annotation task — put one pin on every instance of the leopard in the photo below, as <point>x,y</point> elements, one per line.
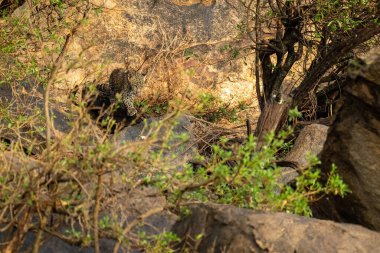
<point>127,83</point>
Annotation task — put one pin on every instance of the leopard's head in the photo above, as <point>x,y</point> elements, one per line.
<point>136,79</point>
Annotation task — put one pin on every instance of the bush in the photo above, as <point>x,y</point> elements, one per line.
<point>249,178</point>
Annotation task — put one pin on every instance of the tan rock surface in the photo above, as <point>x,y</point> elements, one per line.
<point>191,46</point>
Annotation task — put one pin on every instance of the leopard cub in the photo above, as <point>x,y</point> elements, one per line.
<point>127,83</point>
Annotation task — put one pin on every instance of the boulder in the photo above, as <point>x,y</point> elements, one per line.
<point>180,144</point>
<point>353,144</point>
<point>191,45</point>
<point>127,205</point>
<point>228,229</point>
<point>310,141</point>
<point>134,204</point>
<point>22,119</point>
<point>187,45</point>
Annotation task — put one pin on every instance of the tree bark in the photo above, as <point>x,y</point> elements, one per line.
<point>276,91</point>
<point>271,119</point>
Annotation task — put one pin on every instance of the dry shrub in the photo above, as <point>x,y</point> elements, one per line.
<point>77,182</point>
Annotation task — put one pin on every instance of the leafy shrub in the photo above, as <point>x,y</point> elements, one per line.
<point>212,109</point>
<point>249,178</point>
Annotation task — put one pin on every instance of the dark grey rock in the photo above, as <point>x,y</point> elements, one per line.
<point>23,99</point>
<point>230,229</point>
<point>131,205</point>
<point>353,144</point>
<point>179,150</point>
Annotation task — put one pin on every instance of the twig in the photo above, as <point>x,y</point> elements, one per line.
<point>260,97</point>
<point>133,224</point>
<point>53,75</point>
<point>96,213</point>
<point>44,218</point>
<point>249,126</point>
<point>193,186</point>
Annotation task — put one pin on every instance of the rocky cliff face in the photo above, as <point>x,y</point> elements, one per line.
<point>187,45</point>
<point>353,144</point>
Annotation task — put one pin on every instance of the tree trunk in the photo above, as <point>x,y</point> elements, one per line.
<point>271,119</point>
<point>275,111</point>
